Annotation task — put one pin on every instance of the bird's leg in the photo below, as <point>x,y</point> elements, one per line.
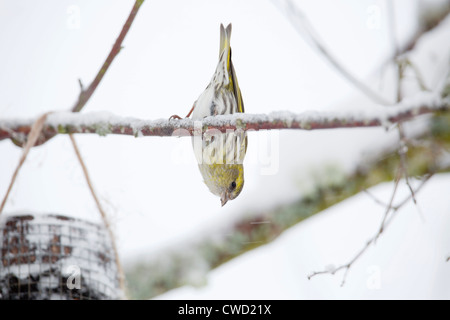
<point>190,112</point>
<point>179,118</point>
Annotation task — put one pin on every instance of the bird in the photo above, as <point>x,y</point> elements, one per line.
<point>219,155</point>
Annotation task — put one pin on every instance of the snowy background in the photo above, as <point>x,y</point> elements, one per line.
<point>151,187</point>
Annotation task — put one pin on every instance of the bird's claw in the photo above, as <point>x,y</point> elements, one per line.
<point>177,117</point>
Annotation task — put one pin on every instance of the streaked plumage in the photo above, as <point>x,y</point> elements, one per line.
<point>220,156</point>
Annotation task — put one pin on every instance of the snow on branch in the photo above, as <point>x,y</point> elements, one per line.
<point>104,123</point>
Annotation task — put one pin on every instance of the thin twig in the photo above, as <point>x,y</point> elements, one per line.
<point>306,30</point>
<point>402,203</point>
<point>346,266</point>
<point>374,198</point>
<point>399,205</point>
<point>85,95</point>
<point>33,136</point>
<point>401,70</point>
<point>389,207</point>
<point>103,215</point>
<point>428,22</point>
<point>392,34</point>
<point>403,163</point>
<point>385,224</point>
<point>396,207</point>
<point>417,75</point>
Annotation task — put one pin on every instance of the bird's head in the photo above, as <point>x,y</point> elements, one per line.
<point>223,180</point>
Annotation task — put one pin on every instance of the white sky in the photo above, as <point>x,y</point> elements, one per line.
<point>155,196</point>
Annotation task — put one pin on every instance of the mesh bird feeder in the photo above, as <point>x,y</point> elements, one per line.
<point>56,257</point>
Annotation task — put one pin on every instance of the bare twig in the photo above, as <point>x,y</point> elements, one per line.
<point>386,222</point>
<point>306,30</point>
<point>401,65</point>
<point>33,136</point>
<point>403,164</point>
<point>389,207</point>
<point>345,267</point>
<point>402,168</point>
<point>396,207</point>
<point>392,34</point>
<point>102,214</point>
<point>428,21</point>
<point>417,75</point>
<point>111,124</point>
<point>427,177</point>
<point>85,95</point>
<point>402,203</point>
<point>378,201</point>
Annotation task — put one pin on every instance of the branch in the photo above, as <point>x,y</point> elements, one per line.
<point>85,95</point>
<point>104,123</point>
<point>34,135</point>
<point>429,19</point>
<point>306,30</point>
<point>188,262</point>
<point>372,240</point>
<point>389,207</point>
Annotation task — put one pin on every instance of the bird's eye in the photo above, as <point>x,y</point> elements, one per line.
<point>233,185</point>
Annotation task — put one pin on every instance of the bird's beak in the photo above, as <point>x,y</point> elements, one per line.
<point>224,198</point>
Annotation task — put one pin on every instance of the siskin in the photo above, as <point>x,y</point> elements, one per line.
<point>220,155</point>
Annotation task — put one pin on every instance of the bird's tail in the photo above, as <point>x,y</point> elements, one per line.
<point>225,35</point>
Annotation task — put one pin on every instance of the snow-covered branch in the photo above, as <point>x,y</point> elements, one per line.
<point>104,123</point>
<point>429,18</point>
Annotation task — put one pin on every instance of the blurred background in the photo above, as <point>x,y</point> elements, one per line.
<point>151,187</point>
